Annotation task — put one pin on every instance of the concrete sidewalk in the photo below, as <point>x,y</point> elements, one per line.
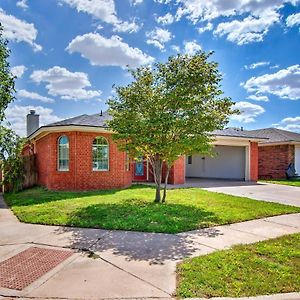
<point>131,265</point>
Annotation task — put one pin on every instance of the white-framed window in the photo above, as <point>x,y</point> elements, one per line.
<point>100,150</point>
<point>63,153</point>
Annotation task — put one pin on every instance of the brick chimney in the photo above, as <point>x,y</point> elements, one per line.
<point>32,122</point>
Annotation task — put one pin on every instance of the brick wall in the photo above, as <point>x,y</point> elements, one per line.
<point>177,173</point>
<point>253,161</point>
<point>274,160</point>
<point>80,175</point>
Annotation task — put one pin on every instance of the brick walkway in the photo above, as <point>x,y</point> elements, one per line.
<point>26,267</point>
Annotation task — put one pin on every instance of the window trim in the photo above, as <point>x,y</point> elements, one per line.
<point>108,146</point>
<point>58,154</point>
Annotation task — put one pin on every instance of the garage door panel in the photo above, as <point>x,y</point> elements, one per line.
<point>229,163</point>
<point>297,159</point>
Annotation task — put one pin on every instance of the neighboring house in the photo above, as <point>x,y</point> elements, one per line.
<point>79,154</point>
<point>276,153</point>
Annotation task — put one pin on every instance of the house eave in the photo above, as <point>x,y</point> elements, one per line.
<point>45,130</point>
<point>278,143</point>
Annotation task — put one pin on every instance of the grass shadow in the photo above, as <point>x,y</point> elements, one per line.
<point>140,215</point>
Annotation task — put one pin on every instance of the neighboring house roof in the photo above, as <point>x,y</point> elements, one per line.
<point>96,120</point>
<point>237,132</point>
<point>276,135</point>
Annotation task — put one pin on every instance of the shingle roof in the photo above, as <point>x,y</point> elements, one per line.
<point>100,120</point>
<point>276,135</point>
<point>96,120</point>
<point>236,132</point>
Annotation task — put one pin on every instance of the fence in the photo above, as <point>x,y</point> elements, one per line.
<point>30,174</point>
<point>30,171</point>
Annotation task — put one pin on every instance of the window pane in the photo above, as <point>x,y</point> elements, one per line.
<point>100,154</point>
<point>63,153</point>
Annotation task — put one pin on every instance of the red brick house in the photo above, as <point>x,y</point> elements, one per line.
<point>280,148</point>
<point>79,154</point>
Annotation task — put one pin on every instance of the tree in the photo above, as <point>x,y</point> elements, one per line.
<point>11,162</point>
<point>7,86</point>
<point>170,110</point>
<point>10,143</point>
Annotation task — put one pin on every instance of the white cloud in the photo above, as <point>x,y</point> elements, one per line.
<point>162,1</point>
<point>34,96</point>
<point>285,83</point>
<point>200,10</point>
<point>258,98</point>
<point>293,20</point>
<point>18,71</point>
<point>22,4</point>
<point>16,115</point>
<point>209,26</point>
<point>18,30</point>
<point>66,84</point>
<point>127,27</point>
<point>257,65</point>
<point>290,123</point>
<point>158,37</point>
<point>258,16</point>
<point>102,51</point>
<point>166,19</point>
<point>191,47</point>
<point>250,29</point>
<point>274,67</point>
<point>175,48</point>
<point>248,111</point>
<point>136,2</point>
<point>103,10</point>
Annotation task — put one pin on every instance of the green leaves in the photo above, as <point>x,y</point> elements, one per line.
<point>6,78</point>
<point>171,109</point>
<point>11,146</point>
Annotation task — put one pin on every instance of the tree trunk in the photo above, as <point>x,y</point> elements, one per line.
<point>156,163</point>
<point>157,194</point>
<point>166,183</point>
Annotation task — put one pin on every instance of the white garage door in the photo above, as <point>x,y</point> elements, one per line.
<point>297,159</point>
<point>229,163</point>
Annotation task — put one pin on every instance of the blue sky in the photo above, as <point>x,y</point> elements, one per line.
<point>67,54</point>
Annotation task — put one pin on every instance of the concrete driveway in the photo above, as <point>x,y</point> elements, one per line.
<point>289,195</point>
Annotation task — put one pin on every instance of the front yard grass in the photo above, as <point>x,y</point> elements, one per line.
<point>262,268</point>
<point>284,181</point>
<point>134,209</point>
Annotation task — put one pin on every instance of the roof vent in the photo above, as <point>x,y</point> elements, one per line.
<point>101,113</point>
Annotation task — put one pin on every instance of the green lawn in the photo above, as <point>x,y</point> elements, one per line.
<point>134,209</point>
<point>262,268</point>
<point>284,181</point>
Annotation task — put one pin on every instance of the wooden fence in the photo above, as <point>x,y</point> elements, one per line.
<point>30,171</point>
<point>30,174</point>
